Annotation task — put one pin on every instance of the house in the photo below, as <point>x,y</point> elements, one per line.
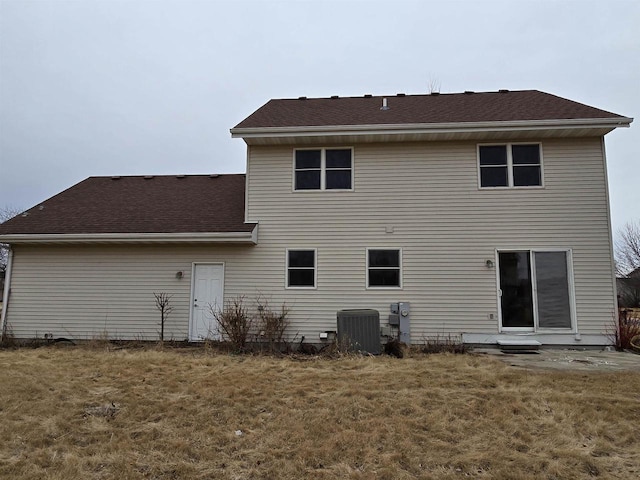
<point>479,214</point>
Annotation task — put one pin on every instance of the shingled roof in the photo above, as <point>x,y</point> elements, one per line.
<point>502,106</point>
<point>139,205</point>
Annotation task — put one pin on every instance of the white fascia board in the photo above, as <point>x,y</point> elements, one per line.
<point>413,128</point>
<point>217,237</point>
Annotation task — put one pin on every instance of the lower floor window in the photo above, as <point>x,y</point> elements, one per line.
<point>535,289</point>
<point>301,268</point>
<point>384,268</point>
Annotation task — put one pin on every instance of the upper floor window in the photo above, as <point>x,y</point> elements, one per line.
<point>323,169</point>
<point>510,165</point>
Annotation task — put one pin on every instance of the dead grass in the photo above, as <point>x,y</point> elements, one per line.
<point>72,412</point>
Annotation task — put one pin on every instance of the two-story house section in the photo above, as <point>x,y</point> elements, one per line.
<point>479,214</point>
<point>486,212</point>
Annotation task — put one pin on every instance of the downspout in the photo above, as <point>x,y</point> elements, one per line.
<point>611,252</point>
<point>5,295</point>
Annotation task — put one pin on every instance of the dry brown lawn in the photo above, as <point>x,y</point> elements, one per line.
<point>90,413</point>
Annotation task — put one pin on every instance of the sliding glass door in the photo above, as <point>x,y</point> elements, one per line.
<point>535,290</point>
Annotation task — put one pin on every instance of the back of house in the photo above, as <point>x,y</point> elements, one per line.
<point>480,215</point>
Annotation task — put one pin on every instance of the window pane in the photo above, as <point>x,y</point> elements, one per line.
<point>301,258</point>
<point>384,278</point>
<point>307,159</point>
<point>384,258</point>
<point>552,281</point>
<point>338,179</point>
<point>493,177</point>
<point>301,278</point>
<point>338,158</point>
<point>493,155</point>
<point>526,176</point>
<point>529,154</point>
<point>515,284</point>
<point>308,180</point>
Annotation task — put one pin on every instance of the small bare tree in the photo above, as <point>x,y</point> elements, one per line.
<point>627,248</point>
<point>627,253</point>
<point>6,213</point>
<point>163,305</point>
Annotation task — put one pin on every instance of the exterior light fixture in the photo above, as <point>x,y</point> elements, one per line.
<point>489,264</point>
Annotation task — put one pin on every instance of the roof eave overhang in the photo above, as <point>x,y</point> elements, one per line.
<point>430,130</point>
<point>250,238</point>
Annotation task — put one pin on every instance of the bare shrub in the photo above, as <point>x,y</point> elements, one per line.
<point>340,347</point>
<point>234,322</point>
<point>8,340</point>
<point>628,327</point>
<point>443,344</point>
<point>395,348</point>
<point>272,324</point>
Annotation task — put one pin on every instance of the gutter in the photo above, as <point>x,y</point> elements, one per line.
<point>207,237</point>
<point>413,128</point>
<point>5,295</point>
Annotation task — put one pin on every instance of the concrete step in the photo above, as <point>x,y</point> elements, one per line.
<point>518,346</point>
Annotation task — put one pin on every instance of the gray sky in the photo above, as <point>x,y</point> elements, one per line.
<point>152,87</point>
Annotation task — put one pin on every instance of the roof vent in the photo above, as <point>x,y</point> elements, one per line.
<point>334,96</point>
<point>469,92</point>
<point>214,175</point>
<point>179,176</point>
<point>503,90</point>
<point>384,105</point>
<point>115,178</point>
<point>400,94</point>
<point>25,214</point>
<point>367,95</point>
<point>302,98</point>
<point>40,207</point>
<point>435,93</point>
<point>148,177</point>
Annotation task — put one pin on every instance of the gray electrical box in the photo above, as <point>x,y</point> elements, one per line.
<point>401,317</point>
<point>405,322</point>
<point>360,330</point>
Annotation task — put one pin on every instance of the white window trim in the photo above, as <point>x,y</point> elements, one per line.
<point>532,274</point>
<point>323,171</point>
<point>510,185</point>
<point>315,269</point>
<point>399,287</point>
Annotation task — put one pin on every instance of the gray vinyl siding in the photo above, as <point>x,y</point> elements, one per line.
<point>85,292</point>
<point>426,192</point>
<point>445,225</point>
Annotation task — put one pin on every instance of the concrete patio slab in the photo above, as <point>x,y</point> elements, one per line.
<point>568,359</point>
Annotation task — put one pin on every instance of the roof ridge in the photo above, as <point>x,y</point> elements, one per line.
<point>333,97</point>
<point>169,175</point>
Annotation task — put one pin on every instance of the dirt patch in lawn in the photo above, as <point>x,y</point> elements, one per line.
<point>95,413</point>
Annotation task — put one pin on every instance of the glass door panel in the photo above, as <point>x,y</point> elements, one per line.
<point>515,285</point>
<point>552,284</point>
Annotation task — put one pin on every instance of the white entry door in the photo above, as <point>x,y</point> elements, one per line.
<point>208,295</point>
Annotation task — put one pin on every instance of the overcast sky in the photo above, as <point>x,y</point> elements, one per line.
<point>106,87</point>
